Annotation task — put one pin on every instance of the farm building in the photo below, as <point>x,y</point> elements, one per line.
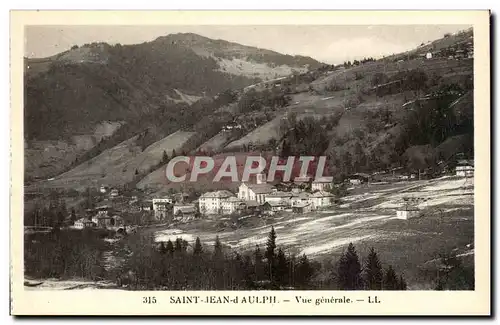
<point>358,178</point>
<point>407,213</point>
<point>302,208</point>
<point>464,169</point>
<point>184,212</point>
<point>84,223</point>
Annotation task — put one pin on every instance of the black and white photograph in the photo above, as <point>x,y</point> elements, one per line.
<point>249,158</point>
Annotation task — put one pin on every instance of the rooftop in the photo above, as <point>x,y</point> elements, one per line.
<point>260,188</point>
<point>217,194</point>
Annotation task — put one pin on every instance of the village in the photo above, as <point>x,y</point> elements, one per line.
<point>258,198</point>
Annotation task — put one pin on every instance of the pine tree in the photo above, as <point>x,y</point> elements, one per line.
<point>402,283</point>
<point>259,264</point>
<point>178,245</point>
<point>173,153</point>
<point>304,272</point>
<point>373,272</point>
<point>73,214</point>
<point>270,253</point>
<point>390,279</point>
<point>163,248</point>
<point>349,270</point>
<point>197,250</point>
<point>281,272</point>
<point>136,172</point>
<point>170,247</point>
<point>217,247</point>
<point>164,158</point>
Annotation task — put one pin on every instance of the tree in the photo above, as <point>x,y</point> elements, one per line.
<point>304,272</point>
<point>163,248</point>
<point>349,270</point>
<point>391,279</point>
<point>373,272</point>
<point>164,158</point>
<point>281,271</point>
<point>72,215</point>
<point>136,172</point>
<point>173,153</point>
<point>217,247</point>
<point>270,252</point>
<point>170,247</point>
<point>402,283</point>
<point>259,264</point>
<point>198,249</point>
<point>178,245</point>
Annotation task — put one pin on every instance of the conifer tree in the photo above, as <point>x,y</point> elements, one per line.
<point>304,271</point>
<point>402,283</point>
<point>164,158</point>
<point>178,245</point>
<point>173,153</point>
<point>390,279</point>
<point>281,272</point>
<point>163,248</point>
<point>349,270</point>
<point>270,253</point>
<point>258,264</point>
<point>197,250</point>
<point>170,247</point>
<point>217,247</point>
<point>373,274</point>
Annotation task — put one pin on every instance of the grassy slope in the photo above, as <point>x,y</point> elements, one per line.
<point>117,165</point>
<point>447,224</point>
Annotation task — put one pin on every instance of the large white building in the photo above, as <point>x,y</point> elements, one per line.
<point>321,199</point>
<point>255,192</point>
<point>160,207</point>
<point>214,202</point>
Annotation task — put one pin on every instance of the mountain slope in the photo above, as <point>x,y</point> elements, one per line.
<point>71,93</point>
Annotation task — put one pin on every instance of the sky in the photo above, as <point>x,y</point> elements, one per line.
<point>329,44</point>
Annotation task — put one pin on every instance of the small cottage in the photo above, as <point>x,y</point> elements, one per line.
<point>84,223</point>
<point>407,213</point>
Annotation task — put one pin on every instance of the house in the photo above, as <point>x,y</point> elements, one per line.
<point>161,206</point>
<point>147,205</point>
<point>84,223</point>
<point>407,212</point>
<point>231,205</point>
<point>103,189</point>
<point>214,202</point>
<point>301,199</point>
<point>184,212</point>
<point>358,178</point>
<point>114,193</point>
<point>274,206</point>
<point>320,185</point>
<point>302,208</point>
<point>428,55</point>
<point>464,168</point>
<point>108,222</point>
<point>279,198</point>
<point>321,199</point>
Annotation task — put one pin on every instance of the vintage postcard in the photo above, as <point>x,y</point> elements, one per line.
<point>250,163</point>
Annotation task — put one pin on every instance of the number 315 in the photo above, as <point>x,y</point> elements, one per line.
<point>149,300</point>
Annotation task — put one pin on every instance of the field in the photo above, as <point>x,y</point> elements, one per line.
<point>117,165</point>
<point>366,218</point>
